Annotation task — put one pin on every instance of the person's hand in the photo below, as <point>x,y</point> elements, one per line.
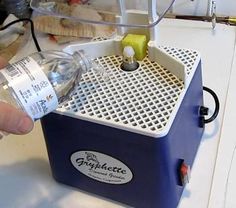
<point>13,120</point>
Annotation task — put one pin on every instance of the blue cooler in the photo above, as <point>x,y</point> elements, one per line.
<point>131,137</point>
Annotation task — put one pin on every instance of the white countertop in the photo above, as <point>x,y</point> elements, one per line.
<point>224,181</point>
<point>25,177</point>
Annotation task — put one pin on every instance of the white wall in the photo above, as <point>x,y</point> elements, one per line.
<point>227,7</point>
<point>200,7</point>
<point>191,7</point>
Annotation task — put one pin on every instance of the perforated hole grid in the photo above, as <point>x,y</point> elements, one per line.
<point>142,100</point>
<point>186,56</point>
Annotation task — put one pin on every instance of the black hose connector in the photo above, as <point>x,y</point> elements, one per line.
<point>204,110</point>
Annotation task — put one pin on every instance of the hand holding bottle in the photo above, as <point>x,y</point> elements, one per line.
<point>13,120</point>
<point>37,84</point>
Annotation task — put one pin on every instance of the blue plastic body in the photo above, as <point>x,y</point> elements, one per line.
<point>154,162</point>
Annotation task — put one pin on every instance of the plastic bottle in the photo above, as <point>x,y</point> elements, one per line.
<point>38,83</point>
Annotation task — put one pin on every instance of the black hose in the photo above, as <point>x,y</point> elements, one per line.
<point>31,27</point>
<point>217,105</point>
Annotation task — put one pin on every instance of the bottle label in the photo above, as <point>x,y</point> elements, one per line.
<point>31,87</point>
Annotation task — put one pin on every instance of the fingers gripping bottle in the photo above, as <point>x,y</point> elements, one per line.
<point>37,84</point>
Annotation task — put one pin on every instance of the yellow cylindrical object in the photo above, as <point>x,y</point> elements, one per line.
<point>232,21</point>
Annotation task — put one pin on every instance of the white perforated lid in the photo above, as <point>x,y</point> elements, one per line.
<point>143,101</point>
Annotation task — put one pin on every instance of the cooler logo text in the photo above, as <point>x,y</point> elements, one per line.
<point>101,167</point>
